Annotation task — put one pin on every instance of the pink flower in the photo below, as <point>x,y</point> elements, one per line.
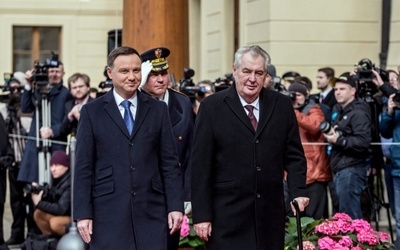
<point>356,248</point>
<point>346,241</point>
<point>342,216</point>
<point>327,228</point>
<point>185,229</point>
<point>360,225</point>
<point>344,226</point>
<point>307,245</point>
<point>384,236</point>
<point>368,237</point>
<point>326,243</point>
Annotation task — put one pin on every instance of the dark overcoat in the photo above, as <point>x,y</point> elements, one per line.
<point>237,172</point>
<point>181,115</point>
<point>126,184</point>
<point>57,96</point>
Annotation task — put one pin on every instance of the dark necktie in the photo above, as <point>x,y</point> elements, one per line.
<point>128,118</point>
<point>251,116</point>
<point>321,98</point>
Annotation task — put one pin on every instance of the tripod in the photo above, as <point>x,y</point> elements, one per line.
<point>43,146</point>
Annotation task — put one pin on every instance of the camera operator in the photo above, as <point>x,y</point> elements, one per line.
<point>53,205</point>
<point>155,83</point>
<point>309,117</point>
<point>58,95</point>
<point>79,87</point>
<point>17,125</point>
<point>350,138</point>
<point>390,128</point>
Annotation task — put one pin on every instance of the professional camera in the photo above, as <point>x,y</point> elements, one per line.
<point>225,82</point>
<point>107,83</point>
<point>13,98</point>
<point>187,86</point>
<point>326,128</point>
<point>396,100</point>
<point>290,94</point>
<point>40,73</point>
<point>35,189</point>
<point>364,77</point>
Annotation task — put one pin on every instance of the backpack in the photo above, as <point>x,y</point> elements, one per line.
<point>40,242</point>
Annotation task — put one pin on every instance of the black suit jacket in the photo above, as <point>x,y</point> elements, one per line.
<point>237,173</point>
<point>126,183</point>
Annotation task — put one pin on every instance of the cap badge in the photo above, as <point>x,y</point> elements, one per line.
<point>158,53</point>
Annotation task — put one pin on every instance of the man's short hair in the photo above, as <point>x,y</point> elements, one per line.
<point>124,50</point>
<point>76,76</point>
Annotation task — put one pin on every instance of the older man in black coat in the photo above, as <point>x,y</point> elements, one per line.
<point>239,157</point>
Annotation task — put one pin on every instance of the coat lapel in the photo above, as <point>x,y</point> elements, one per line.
<point>233,101</point>
<point>174,108</point>
<point>267,104</point>
<point>112,110</point>
<point>141,111</point>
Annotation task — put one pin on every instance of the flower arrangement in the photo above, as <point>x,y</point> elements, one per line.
<point>339,233</point>
<point>189,237</point>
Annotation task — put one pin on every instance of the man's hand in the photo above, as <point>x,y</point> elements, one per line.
<point>46,132</point>
<point>378,79</point>
<point>75,113</point>
<point>203,230</point>
<point>332,138</point>
<point>85,228</point>
<point>28,75</point>
<point>391,104</point>
<point>36,198</point>
<point>303,203</point>
<point>174,221</point>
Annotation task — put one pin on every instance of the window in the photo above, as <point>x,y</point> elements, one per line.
<point>34,43</point>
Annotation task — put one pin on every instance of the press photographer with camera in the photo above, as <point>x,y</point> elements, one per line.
<point>17,125</point>
<point>53,204</point>
<point>309,116</point>
<point>350,137</point>
<point>390,128</point>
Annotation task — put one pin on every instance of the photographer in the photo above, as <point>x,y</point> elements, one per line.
<point>53,205</point>
<point>309,116</point>
<point>350,138</point>
<point>57,95</point>
<point>390,128</point>
<point>17,125</point>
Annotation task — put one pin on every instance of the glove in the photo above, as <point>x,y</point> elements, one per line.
<point>188,207</point>
<point>146,69</point>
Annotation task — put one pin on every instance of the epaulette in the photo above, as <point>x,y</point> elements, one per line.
<point>178,92</point>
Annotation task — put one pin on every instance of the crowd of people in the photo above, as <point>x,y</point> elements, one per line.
<point>236,158</point>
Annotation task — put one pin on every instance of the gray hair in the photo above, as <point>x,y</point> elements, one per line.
<point>255,50</point>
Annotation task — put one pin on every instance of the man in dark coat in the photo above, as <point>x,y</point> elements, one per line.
<point>239,157</point>
<point>128,184</point>
<point>58,95</point>
<point>155,84</point>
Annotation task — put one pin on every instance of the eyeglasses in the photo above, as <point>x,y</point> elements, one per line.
<point>393,79</point>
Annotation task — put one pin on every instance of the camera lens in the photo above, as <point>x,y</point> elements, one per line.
<point>325,127</point>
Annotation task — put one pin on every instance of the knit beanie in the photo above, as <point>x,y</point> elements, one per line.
<point>298,87</point>
<point>60,157</point>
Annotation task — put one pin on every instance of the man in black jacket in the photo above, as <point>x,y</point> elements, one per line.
<point>350,138</point>
<point>53,206</point>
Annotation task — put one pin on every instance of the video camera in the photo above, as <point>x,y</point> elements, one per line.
<point>13,98</point>
<point>225,82</point>
<point>187,86</point>
<point>364,77</point>
<point>40,73</point>
<point>107,83</point>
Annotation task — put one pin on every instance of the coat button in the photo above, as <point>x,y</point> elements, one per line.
<point>133,168</point>
<point>258,168</point>
<point>131,144</point>
<point>133,193</point>
<point>257,141</point>
<point>180,138</point>
<point>258,195</point>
